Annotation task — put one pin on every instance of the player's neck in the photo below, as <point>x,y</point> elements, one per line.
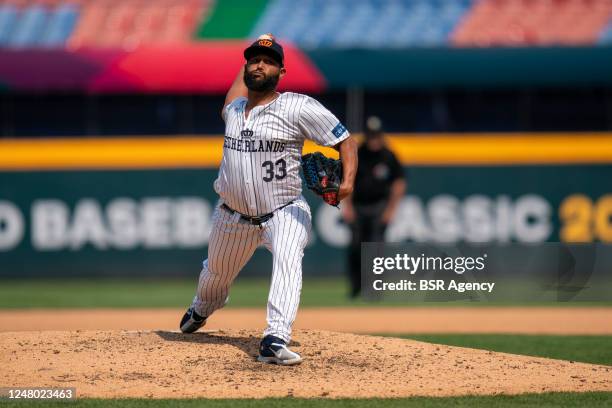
<point>261,98</point>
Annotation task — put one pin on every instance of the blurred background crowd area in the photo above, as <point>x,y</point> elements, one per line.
<point>309,23</point>
<point>160,67</point>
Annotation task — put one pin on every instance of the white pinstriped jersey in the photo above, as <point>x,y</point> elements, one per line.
<point>260,170</point>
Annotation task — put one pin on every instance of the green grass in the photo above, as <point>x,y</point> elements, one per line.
<point>592,399</point>
<point>116,293</point>
<point>588,349</point>
<point>126,293</point>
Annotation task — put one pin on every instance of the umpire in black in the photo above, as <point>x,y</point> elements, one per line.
<point>379,186</point>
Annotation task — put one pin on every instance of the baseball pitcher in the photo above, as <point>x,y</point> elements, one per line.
<point>260,193</point>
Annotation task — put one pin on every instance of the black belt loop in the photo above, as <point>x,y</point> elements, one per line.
<point>258,220</point>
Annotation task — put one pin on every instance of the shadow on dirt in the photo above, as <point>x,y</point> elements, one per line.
<point>249,345</point>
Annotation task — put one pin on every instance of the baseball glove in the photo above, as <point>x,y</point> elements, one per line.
<point>323,175</point>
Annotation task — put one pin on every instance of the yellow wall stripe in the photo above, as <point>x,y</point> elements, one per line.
<point>503,149</point>
<point>412,149</point>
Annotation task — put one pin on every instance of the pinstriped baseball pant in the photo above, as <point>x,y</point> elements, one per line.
<point>231,245</point>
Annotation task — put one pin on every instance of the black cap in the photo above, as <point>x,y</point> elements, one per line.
<point>268,47</point>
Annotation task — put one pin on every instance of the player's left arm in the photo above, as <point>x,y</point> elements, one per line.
<point>348,157</point>
<point>323,127</point>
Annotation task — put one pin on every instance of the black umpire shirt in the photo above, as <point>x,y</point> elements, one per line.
<point>375,174</point>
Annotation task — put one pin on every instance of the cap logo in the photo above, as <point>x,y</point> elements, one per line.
<point>265,43</point>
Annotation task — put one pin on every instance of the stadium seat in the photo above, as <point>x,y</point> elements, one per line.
<point>88,25</point>
<point>362,23</point>
<point>606,35</point>
<point>60,25</point>
<point>32,24</point>
<point>29,27</point>
<point>130,23</point>
<point>8,21</point>
<point>308,23</point>
<point>525,22</point>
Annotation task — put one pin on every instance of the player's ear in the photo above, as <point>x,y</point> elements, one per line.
<point>283,71</point>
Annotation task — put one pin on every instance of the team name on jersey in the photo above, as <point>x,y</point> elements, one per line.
<point>253,146</point>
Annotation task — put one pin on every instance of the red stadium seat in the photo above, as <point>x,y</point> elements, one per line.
<point>130,23</point>
<point>533,22</point>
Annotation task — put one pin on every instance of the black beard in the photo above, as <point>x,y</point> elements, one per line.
<point>268,83</point>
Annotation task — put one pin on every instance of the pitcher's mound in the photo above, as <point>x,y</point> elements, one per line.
<point>162,364</point>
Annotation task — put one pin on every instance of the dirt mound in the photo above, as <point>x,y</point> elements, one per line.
<point>164,364</point>
<point>453,319</point>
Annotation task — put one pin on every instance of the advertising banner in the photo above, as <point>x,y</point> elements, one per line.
<point>156,222</point>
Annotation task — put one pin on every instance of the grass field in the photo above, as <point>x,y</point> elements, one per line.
<point>595,399</point>
<point>126,293</point>
<point>115,293</point>
<point>587,349</point>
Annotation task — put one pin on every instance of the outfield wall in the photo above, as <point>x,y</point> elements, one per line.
<point>180,68</point>
<point>142,207</point>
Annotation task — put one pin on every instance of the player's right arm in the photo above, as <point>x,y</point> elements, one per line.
<point>237,90</point>
<point>323,127</point>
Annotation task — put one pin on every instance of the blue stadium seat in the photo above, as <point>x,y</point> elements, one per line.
<point>362,23</point>
<point>29,27</point>
<point>61,23</point>
<point>8,19</point>
<point>606,35</point>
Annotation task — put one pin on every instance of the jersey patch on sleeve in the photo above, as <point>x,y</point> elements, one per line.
<point>339,130</point>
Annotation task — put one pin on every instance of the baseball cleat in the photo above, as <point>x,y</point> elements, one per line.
<point>191,321</point>
<point>274,351</point>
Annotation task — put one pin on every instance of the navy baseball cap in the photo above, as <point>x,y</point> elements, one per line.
<point>268,47</point>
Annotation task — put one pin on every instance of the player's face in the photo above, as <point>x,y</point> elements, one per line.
<point>262,73</point>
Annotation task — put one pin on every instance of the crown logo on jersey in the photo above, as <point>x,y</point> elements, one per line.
<point>246,133</point>
<point>265,43</point>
